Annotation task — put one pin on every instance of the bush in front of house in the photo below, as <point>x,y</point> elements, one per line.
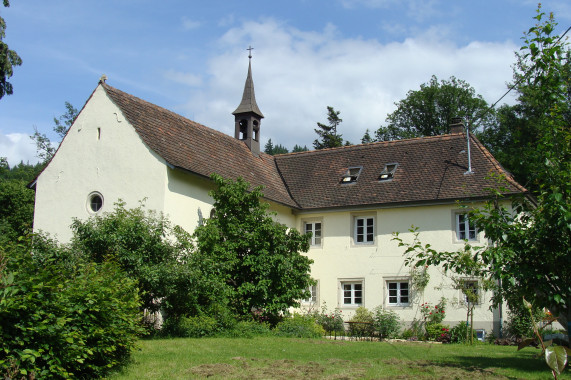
<point>62,317</point>
<point>386,322</point>
<point>363,323</point>
<point>299,326</point>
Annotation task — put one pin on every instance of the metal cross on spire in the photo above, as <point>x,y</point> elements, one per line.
<point>250,48</point>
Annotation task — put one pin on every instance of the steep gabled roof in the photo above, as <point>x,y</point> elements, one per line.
<point>430,169</point>
<point>193,147</point>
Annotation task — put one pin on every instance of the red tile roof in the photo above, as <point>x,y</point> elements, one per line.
<point>429,169</point>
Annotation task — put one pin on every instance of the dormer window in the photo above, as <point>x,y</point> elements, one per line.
<point>389,172</point>
<point>351,175</point>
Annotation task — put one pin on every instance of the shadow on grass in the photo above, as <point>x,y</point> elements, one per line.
<point>527,362</point>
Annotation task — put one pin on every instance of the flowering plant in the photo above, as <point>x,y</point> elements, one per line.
<point>433,314</point>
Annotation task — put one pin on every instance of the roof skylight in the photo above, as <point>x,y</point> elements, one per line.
<point>389,172</point>
<point>351,175</point>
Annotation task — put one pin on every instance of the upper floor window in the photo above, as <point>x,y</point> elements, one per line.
<point>364,230</point>
<point>351,175</point>
<point>465,230</point>
<point>389,172</point>
<point>398,293</point>
<point>315,229</point>
<point>470,291</point>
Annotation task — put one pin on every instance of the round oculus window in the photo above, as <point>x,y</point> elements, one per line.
<point>95,202</point>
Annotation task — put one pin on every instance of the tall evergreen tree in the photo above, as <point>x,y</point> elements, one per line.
<point>328,135</point>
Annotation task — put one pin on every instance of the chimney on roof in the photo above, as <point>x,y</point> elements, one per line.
<point>457,125</point>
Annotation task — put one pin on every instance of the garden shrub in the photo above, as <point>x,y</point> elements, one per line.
<point>434,331</point>
<point>519,323</point>
<point>365,323</point>
<point>386,322</point>
<point>64,321</point>
<point>332,322</point>
<point>198,326</point>
<point>299,326</point>
<point>459,333</point>
<point>248,329</point>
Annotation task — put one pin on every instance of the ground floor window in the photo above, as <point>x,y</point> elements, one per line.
<point>352,293</point>
<point>398,293</point>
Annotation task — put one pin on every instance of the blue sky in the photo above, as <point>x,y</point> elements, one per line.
<point>359,56</point>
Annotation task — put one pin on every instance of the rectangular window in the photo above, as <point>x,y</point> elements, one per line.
<point>312,300</point>
<point>470,291</point>
<point>352,293</point>
<point>399,294</point>
<point>315,229</point>
<point>464,229</point>
<point>364,230</point>
<point>388,172</point>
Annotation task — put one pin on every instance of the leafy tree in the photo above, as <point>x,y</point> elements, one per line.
<point>299,148</point>
<point>367,138</point>
<point>429,111</point>
<point>269,147</point>
<point>150,250</point>
<point>64,122</point>
<point>16,209</point>
<point>280,149</point>
<point>328,136</point>
<point>61,317</point>
<point>531,252</point>
<point>44,147</point>
<point>8,59</point>
<point>258,258</point>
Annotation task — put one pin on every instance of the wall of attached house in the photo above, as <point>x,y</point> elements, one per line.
<point>101,153</point>
<point>339,259</point>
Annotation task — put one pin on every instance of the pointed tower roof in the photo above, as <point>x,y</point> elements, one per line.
<point>248,103</point>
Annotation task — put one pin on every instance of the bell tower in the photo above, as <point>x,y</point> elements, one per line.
<point>248,117</point>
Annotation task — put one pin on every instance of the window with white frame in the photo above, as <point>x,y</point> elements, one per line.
<point>351,293</point>
<point>398,293</point>
<point>470,291</point>
<point>315,229</point>
<point>465,230</point>
<point>364,230</point>
<point>312,299</point>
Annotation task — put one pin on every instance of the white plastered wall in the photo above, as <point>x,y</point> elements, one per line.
<point>100,153</point>
<point>339,259</point>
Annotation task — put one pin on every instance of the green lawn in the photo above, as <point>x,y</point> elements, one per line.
<point>286,358</point>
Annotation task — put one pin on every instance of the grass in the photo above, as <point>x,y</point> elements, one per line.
<point>287,358</point>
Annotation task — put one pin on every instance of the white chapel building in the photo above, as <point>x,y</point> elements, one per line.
<point>351,198</point>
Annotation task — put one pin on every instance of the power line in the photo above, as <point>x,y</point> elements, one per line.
<point>515,84</point>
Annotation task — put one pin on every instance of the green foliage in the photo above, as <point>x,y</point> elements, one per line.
<point>61,320</point>
<point>272,149</point>
<point>332,322</point>
<point>16,209</point>
<point>150,250</point>
<point>191,327</point>
<point>461,332</point>
<point>366,138</point>
<point>328,136</point>
<point>433,314</point>
<point>519,323</point>
<point>299,326</point>
<point>258,260</point>
<point>386,322</point>
<point>436,331</point>
<point>44,148</point>
<point>8,59</point>
<point>430,110</point>
<point>363,322</point>
<point>299,148</point>
<point>248,329</point>
<point>64,122</point>
<point>23,172</point>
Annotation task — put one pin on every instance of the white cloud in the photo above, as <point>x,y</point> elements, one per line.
<point>297,74</point>
<point>188,24</point>
<point>184,78</point>
<point>18,147</point>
